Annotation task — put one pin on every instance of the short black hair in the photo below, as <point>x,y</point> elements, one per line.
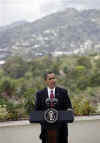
<point>46,74</point>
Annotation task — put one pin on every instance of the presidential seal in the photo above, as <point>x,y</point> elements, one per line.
<point>51,115</point>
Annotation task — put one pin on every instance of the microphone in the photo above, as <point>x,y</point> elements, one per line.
<point>50,102</point>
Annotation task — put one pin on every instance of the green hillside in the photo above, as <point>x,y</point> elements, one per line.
<point>19,81</point>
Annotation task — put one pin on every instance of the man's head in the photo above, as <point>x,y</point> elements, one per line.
<point>50,79</point>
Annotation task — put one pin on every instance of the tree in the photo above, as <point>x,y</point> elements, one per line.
<point>84,61</point>
<point>7,86</point>
<point>15,67</point>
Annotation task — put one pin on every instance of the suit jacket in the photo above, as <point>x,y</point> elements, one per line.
<point>63,104</point>
<point>60,93</point>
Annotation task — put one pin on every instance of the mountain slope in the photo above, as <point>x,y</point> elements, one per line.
<point>68,32</point>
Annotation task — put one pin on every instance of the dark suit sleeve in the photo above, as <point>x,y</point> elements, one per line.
<point>66,101</point>
<point>37,101</point>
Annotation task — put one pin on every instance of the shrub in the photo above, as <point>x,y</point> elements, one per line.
<point>15,111</point>
<point>82,106</point>
<point>3,112</point>
<point>29,100</point>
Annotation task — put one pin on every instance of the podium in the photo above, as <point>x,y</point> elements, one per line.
<point>51,117</point>
<point>63,116</point>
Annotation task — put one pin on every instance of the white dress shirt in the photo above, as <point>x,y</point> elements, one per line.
<point>49,91</point>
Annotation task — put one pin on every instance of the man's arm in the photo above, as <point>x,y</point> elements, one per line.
<point>37,102</point>
<point>66,101</point>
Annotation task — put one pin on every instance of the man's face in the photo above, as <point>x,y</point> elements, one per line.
<point>51,80</point>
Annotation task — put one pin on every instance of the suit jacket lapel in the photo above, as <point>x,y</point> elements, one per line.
<point>56,93</point>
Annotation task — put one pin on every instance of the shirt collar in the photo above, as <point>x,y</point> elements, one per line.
<point>49,91</point>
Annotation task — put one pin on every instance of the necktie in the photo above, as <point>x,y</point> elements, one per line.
<point>51,95</point>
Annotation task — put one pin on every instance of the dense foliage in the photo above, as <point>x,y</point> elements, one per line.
<point>20,79</point>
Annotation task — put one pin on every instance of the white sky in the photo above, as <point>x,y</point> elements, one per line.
<point>16,10</point>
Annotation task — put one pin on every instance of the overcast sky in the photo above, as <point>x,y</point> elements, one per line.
<point>17,10</point>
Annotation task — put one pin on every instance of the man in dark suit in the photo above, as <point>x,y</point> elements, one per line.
<point>64,103</point>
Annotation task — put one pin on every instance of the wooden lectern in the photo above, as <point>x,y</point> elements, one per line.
<point>51,116</point>
<point>52,136</point>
